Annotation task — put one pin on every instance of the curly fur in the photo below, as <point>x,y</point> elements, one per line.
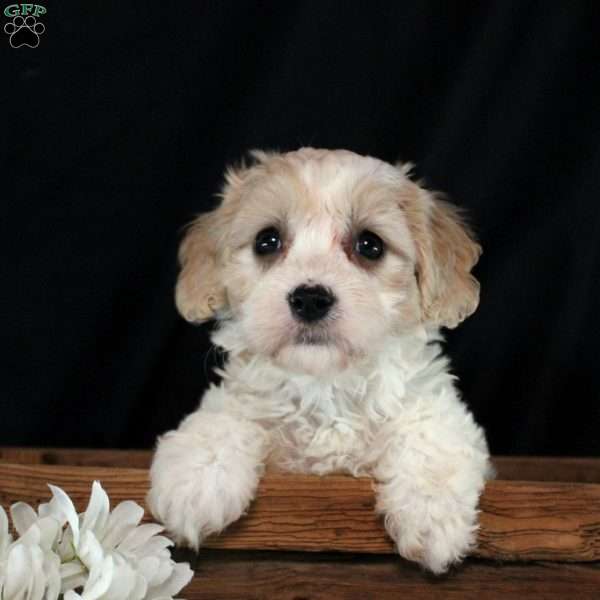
<point>374,397</point>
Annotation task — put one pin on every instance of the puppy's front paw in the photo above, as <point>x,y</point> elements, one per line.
<point>433,532</point>
<point>204,475</point>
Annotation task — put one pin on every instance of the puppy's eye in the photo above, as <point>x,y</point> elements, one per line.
<point>268,241</point>
<point>369,245</point>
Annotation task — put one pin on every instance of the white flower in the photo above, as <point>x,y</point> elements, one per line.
<point>5,542</point>
<point>29,568</point>
<point>111,555</point>
<point>97,555</point>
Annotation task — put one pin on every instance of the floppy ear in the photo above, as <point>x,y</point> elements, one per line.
<point>446,253</point>
<point>199,293</point>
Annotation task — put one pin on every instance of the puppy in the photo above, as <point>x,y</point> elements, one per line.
<point>329,275</point>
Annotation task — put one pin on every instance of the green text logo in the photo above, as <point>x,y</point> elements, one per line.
<point>15,10</point>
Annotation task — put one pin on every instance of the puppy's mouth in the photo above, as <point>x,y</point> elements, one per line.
<point>312,337</point>
<point>314,349</point>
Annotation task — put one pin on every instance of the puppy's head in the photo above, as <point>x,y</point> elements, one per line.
<point>319,255</point>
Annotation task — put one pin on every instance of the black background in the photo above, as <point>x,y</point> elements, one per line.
<point>116,131</point>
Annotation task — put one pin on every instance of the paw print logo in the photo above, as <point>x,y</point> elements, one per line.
<point>24,31</point>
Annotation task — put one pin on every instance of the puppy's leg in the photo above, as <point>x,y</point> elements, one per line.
<point>204,474</point>
<point>431,473</point>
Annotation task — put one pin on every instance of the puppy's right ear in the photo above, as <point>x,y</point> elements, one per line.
<point>199,293</point>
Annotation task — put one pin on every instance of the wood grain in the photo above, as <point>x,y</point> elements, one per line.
<point>29,483</point>
<point>232,575</point>
<point>514,468</point>
<point>519,520</point>
<point>540,521</point>
<point>541,468</point>
<point>83,457</point>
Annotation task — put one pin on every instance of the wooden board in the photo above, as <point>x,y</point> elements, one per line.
<point>229,575</point>
<point>519,520</point>
<point>513,468</point>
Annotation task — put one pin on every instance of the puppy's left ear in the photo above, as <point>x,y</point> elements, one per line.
<point>446,253</point>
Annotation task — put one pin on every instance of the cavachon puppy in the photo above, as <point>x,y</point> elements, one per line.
<point>330,275</point>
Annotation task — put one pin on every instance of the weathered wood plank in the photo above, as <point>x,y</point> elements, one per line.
<point>540,468</point>
<point>294,576</point>
<point>514,468</point>
<point>540,521</point>
<point>29,483</point>
<point>520,520</point>
<point>101,457</point>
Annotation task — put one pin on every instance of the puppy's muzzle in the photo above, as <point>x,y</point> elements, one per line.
<point>310,303</point>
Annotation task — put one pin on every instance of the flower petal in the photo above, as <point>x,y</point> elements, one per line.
<point>163,569</point>
<point>181,576</point>
<point>52,509</point>
<point>123,582</point>
<point>65,547</point>
<point>140,589</point>
<point>18,571</point>
<point>37,577</point>
<point>73,575</point>
<point>137,537</point>
<point>65,505</point>
<point>5,537</point>
<point>90,550</point>
<point>121,521</point>
<point>157,546</point>
<point>23,516</point>
<point>99,580</point>
<point>97,510</point>
<point>49,533</point>
<point>148,566</point>
<point>52,572</point>
<point>31,537</point>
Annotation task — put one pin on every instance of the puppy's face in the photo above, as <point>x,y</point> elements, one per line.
<point>320,255</point>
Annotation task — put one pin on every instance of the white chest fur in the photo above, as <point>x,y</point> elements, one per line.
<point>337,423</point>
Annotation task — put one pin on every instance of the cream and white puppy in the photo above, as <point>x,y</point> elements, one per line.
<point>329,274</point>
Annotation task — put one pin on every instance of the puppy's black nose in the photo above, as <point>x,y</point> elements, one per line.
<point>310,303</point>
